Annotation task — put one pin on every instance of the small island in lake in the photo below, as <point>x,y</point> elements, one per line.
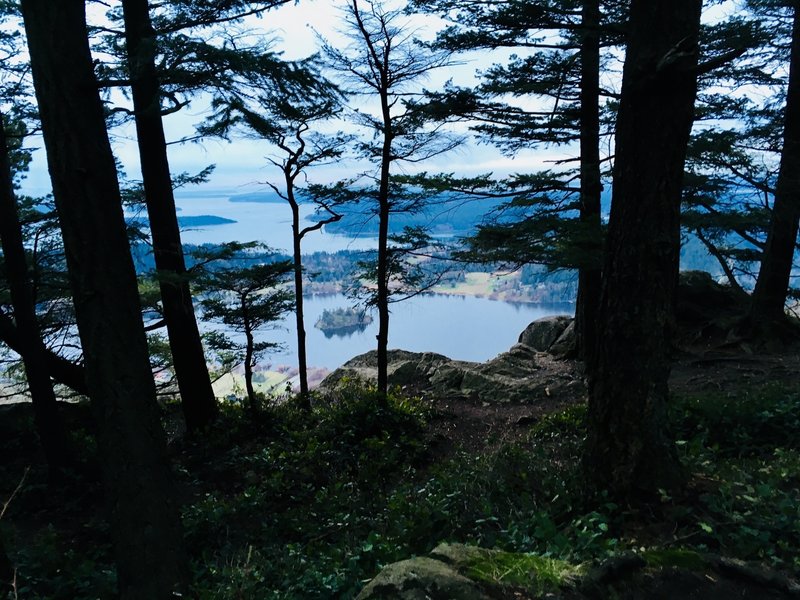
<point>342,321</point>
<point>203,220</point>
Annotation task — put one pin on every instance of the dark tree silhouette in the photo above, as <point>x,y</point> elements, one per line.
<point>545,217</point>
<point>247,299</point>
<point>629,450</point>
<point>32,349</point>
<point>286,122</point>
<point>383,61</point>
<point>146,530</point>
<point>769,296</point>
<point>194,383</point>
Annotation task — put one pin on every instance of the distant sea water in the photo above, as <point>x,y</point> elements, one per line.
<point>462,328</point>
<point>267,222</point>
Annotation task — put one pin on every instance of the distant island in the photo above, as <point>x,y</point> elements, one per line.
<point>342,321</point>
<point>258,197</point>
<point>203,221</point>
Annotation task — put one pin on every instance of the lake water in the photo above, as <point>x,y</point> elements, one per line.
<point>266,222</point>
<point>464,328</point>
<point>460,327</point>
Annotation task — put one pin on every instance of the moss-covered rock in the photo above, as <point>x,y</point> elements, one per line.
<point>421,578</point>
<point>535,575</point>
<point>455,571</point>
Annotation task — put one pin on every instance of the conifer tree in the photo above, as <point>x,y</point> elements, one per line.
<point>551,217</point>
<point>197,397</point>
<point>166,61</point>
<point>286,122</point>
<point>146,530</point>
<point>49,424</point>
<point>383,63</point>
<point>769,296</point>
<point>246,300</point>
<point>629,450</point>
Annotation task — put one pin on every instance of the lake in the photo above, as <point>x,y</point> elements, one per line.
<point>460,327</point>
<point>266,222</point>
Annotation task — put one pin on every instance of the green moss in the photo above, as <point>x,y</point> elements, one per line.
<point>536,574</point>
<point>683,559</point>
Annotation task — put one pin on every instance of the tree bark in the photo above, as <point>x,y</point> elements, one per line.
<point>629,450</point>
<point>197,396</point>
<point>248,363</point>
<point>382,300</point>
<point>49,424</point>
<point>589,275</point>
<point>302,361</point>
<point>769,296</point>
<point>145,525</point>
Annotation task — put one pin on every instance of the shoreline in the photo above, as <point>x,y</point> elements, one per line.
<point>497,286</point>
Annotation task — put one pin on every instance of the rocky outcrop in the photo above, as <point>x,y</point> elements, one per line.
<point>456,571</point>
<point>513,376</point>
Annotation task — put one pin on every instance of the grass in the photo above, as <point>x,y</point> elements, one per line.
<point>312,506</point>
<point>537,575</point>
<point>473,284</point>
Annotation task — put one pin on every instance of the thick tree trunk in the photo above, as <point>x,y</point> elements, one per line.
<point>591,187</point>
<point>629,450</point>
<point>150,557</point>
<point>197,397</point>
<point>769,296</point>
<point>49,424</point>
<point>61,370</point>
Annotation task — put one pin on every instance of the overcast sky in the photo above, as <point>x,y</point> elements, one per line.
<point>242,164</point>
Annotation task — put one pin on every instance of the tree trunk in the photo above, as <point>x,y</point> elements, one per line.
<point>49,424</point>
<point>769,296</point>
<point>629,450</point>
<point>382,300</point>
<point>61,370</point>
<point>150,557</point>
<point>298,298</point>
<point>248,371</point>
<point>197,397</point>
<point>591,187</point>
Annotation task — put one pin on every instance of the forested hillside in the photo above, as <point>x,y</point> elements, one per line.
<point>646,446</point>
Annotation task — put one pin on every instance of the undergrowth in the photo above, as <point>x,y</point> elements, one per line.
<point>312,505</point>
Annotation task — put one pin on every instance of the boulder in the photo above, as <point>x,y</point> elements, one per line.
<point>543,333</point>
<point>565,345</point>
<point>421,578</point>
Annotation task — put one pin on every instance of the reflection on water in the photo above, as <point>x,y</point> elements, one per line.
<point>463,328</point>
<point>344,332</point>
